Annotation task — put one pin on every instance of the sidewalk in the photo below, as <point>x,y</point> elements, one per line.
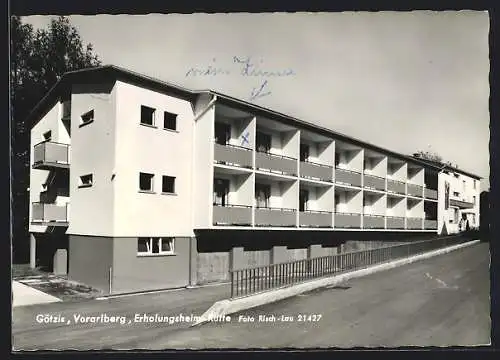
<point>26,295</point>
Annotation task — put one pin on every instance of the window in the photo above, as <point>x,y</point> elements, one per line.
<point>304,152</point>
<point>262,195</point>
<point>474,200</point>
<point>456,193</point>
<point>87,118</point>
<point>85,181</point>
<point>47,136</point>
<point>303,200</point>
<point>463,185</point>
<point>155,245</point>
<point>222,133</point>
<point>474,184</point>
<point>169,121</point>
<point>168,184</point>
<point>147,115</point>
<point>221,191</point>
<point>146,182</point>
<point>263,142</point>
<point>455,216</point>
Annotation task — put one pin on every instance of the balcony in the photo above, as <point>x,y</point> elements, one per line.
<point>414,223</point>
<point>373,221</point>
<point>395,186</point>
<point>318,219</point>
<point>415,190</point>
<point>374,182</point>
<point>347,220</point>
<point>394,222</point>
<point>236,215</point>
<point>276,163</point>
<point>430,224</point>
<point>430,194</point>
<point>275,217</point>
<point>316,171</point>
<point>49,214</point>
<point>461,204</point>
<point>233,155</point>
<point>348,177</point>
<point>48,155</point>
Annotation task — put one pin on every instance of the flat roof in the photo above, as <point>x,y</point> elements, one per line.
<point>113,72</point>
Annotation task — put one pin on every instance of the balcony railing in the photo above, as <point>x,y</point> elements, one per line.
<point>413,223</point>
<point>232,215</point>
<point>395,222</point>
<point>347,220</point>
<point>374,182</point>
<point>276,163</point>
<point>348,177</point>
<point>233,155</point>
<point>49,214</point>
<point>314,170</point>
<point>415,190</point>
<point>430,224</point>
<point>461,204</point>
<point>279,217</point>
<point>373,221</point>
<point>431,194</point>
<point>311,218</point>
<point>396,186</point>
<point>50,154</point>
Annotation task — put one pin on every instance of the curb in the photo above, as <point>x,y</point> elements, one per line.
<point>228,306</point>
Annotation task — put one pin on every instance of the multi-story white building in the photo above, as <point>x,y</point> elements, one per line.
<point>148,185</point>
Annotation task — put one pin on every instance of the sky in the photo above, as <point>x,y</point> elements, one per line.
<point>403,81</point>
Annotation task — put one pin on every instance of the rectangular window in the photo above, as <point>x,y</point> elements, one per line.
<point>87,118</point>
<point>169,121</point>
<point>304,152</point>
<point>155,246</point>
<point>456,193</point>
<point>146,182</point>
<point>85,181</point>
<point>147,115</point>
<point>221,192</point>
<point>463,185</point>
<point>47,136</point>
<point>262,195</point>
<point>222,133</point>
<point>168,184</point>
<point>337,158</point>
<point>474,200</point>
<point>263,142</point>
<point>474,184</point>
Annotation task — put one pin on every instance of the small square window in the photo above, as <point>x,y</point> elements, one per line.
<point>147,115</point>
<point>168,184</point>
<point>85,181</point>
<point>169,121</point>
<point>47,136</point>
<point>146,181</point>
<point>87,118</point>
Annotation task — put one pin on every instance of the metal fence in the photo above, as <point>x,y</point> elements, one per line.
<point>257,279</point>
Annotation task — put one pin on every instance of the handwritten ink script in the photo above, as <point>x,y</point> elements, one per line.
<point>244,67</point>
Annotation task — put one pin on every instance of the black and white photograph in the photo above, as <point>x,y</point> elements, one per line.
<point>274,180</point>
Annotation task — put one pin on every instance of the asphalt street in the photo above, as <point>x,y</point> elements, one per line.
<point>441,301</point>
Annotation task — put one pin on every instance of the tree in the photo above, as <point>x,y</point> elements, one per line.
<point>38,60</point>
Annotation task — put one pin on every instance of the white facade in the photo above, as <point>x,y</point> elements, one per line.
<point>347,183</point>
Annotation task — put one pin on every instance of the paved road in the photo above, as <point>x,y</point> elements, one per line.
<point>441,301</point>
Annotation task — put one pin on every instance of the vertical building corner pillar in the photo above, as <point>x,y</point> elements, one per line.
<point>32,251</point>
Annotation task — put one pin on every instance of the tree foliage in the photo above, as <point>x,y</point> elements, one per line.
<point>427,155</point>
<point>38,60</point>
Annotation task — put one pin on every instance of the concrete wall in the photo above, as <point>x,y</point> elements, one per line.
<point>202,185</point>
<point>396,206</point>
<point>212,267</point>
<point>398,173</point>
<point>157,151</point>
<point>290,141</point>
<point>132,272</point>
<point>90,259</point>
<point>93,149</point>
